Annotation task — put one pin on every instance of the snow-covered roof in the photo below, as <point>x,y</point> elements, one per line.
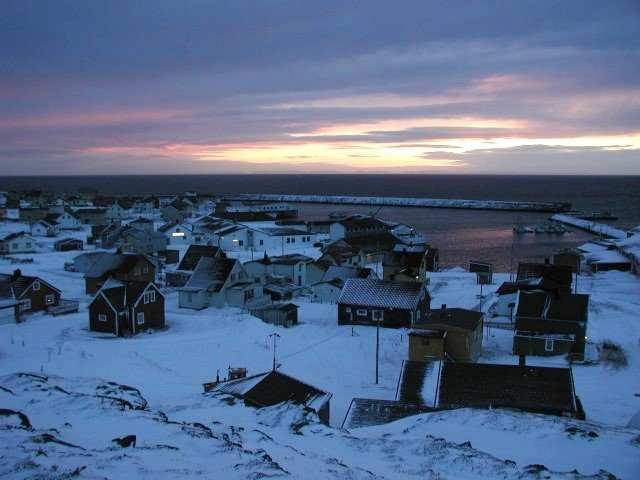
<point>370,292</point>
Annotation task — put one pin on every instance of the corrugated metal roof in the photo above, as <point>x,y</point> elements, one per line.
<point>369,292</point>
<point>211,273</point>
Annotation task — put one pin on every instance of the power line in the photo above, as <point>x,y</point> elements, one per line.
<point>314,345</point>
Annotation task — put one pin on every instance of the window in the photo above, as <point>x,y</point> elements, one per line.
<point>102,317</point>
<point>184,277</point>
<point>261,242</point>
<point>240,243</point>
<point>140,318</point>
<point>377,315</point>
<point>14,245</point>
<point>548,345</point>
<point>28,244</point>
<point>49,299</point>
<point>425,340</point>
<point>288,240</point>
<point>136,271</point>
<point>25,304</point>
<point>361,312</point>
<point>36,286</point>
<point>189,297</point>
<point>145,269</point>
<point>348,309</point>
<point>149,297</point>
<point>248,295</point>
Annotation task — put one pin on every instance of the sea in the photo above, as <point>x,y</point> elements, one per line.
<point>460,235</point>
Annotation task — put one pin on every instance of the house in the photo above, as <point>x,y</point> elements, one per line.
<point>109,235</point>
<point>118,210</point>
<point>177,233</point>
<point>67,244</point>
<point>607,260</point>
<point>357,226</point>
<point>328,289</point>
<point>280,290</point>
<point>123,267</point>
<point>144,206</point>
<point>91,215</point>
<point>483,271</point>
<point>67,220</point>
<point>84,261</point>
<point>405,266</point>
<point>630,248</point>
<point>282,314</point>
<point>126,308</point>
<point>568,256</point>
<point>217,282</point>
<point>560,274</point>
<point>508,294</point>
<point>447,334</point>
<point>367,301</point>
<point>32,293</point>
<point>549,325</point>
<point>44,228</point>
<point>269,236</point>
<point>274,387</point>
<point>431,255</point>
<point>542,390</point>
<point>373,246</point>
<point>142,223</point>
<point>342,254</point>
<point>177,211</point>
<point>32,214</point>
<point>187,265</point>
<point>142,242</point>
<point>18,242</point>
<point>293,268</point>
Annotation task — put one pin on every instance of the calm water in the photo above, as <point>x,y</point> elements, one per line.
<point>461,235</point>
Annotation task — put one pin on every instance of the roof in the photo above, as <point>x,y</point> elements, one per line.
<point>110,263</point>
<point>562,274</point>
<point>274,387</point>
<point>141,220</point>
<point>335,272</point>
<point>193,255</point>
<point>481,385</point>
<point>280,307</point>
<point>211,273</point>
<point>527,285</point>
<point>455,317</point>
<point>374,243</point>
<point>13,236</point>
<point>123,295</point>
<point>370,292</point>
<point>568,306</point>
<point>68,240</point>
<point>403,259</point>
<point>13,285</point>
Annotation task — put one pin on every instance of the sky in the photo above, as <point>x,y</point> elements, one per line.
<point>170,87</point>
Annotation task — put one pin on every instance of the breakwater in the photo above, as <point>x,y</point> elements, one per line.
<point>407,202</point>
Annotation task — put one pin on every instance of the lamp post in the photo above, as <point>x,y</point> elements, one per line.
<point>275,336</point>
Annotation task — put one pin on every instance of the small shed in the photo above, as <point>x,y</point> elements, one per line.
<point>283,314</point>
<point>68,244</point>
<point>483,271</point>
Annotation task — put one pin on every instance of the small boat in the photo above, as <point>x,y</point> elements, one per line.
<point>519,228</point>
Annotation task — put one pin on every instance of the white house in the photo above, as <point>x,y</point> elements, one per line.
<point>18,242</point>
<point>68,221</point>
<point>293,268</point>
<point>177,233</point>
<point>44,228</point>
<point>117,211</point>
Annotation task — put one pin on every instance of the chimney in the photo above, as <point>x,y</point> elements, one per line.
<point>17,273</point>
<point>444,306</point>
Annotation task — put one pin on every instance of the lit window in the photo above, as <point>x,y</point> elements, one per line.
<point>49,299</point>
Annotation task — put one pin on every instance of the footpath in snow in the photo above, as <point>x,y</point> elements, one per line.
<point>407,202</point>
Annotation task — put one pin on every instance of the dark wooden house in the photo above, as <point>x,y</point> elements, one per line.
<point>542,390</point>
<point>274,387</point>
<point>560,274</point>
<point>126,308</point>
<point>123,267</point>
<point>32,293</point>
<point>68,244</point>
<point>282,314</point>
<point>570,257</point>
<point>548,324</point>
<point>367,301</point>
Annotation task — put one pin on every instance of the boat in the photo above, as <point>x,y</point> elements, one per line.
<point>519,228</point>
<point>338,215</point>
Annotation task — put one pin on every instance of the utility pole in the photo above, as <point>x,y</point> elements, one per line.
<point>274,335</point>
<point>377,342</point>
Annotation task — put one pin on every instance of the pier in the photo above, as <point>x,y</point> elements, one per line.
<point>598,228</point>
<point>408,202</point>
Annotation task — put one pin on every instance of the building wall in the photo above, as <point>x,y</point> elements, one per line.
<point>357,315</point>
<point>550,326</point>
<point>192,300</point>
<point>537,345</point>
<point>326,292</point>
<point>97,307</point>
<point>38,297</point>
<point>154,316</point>
<point>422,347</point>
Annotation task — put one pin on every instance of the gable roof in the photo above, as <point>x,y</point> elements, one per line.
<point>275,387</point>
<point>568,306</point>
<point>14,285</point>
<point>455,317</point>
<point>13,236</point>
<point>403,259</point>
<point>481,385</point>
<point>211,273</point>
<point>194,253</point>
<point>561,274</point>
<point>527,285</point>
<point>123,295</point>
<point>336,272</point>
<point>109,263</point>
<point>370,292</point>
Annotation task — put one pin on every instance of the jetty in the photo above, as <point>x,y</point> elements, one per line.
<point>601,229</point>
<point>407,202</point>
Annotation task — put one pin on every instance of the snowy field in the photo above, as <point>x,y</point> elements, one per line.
<point>182,433</point>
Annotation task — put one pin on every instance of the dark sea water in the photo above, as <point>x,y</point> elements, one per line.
<point>461,235</point>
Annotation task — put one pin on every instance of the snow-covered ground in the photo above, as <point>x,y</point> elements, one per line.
<point>183,433</point>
